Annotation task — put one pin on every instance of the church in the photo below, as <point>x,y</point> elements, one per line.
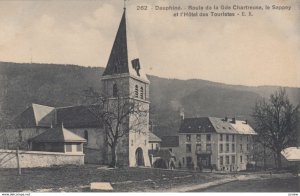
<point>123,79</point>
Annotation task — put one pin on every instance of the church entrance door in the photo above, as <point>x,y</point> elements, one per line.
<point>139,157</point>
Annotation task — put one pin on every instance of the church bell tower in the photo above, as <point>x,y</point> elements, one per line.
<point>124,79</point>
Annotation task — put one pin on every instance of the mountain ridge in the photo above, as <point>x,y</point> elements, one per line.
<point>60,85</point>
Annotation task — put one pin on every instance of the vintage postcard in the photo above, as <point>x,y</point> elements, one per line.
<point>149,96</point>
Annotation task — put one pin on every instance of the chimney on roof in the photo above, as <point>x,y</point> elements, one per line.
<point>246,121</point>
<point>182,115</point>
<point>233,120</point>
<point>226,119</point>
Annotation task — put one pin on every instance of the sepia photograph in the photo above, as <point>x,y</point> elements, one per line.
<point>160,96</point>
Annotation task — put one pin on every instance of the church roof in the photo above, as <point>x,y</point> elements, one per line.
<point>44,116</point>
<point>35,115</point>
<point>123,58</point>
<point>59,134</point>
<point>153,137</point>
<point>77,116</point>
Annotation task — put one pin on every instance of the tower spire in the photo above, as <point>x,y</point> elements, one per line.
<point>124,58</point>
<point>118,59</point>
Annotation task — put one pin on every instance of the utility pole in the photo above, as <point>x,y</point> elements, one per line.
<point>265,168</point>
<point>18,161</point>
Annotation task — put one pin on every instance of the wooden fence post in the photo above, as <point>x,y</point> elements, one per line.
<point>18,162</point>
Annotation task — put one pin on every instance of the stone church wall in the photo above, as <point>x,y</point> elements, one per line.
<point>31,159</point>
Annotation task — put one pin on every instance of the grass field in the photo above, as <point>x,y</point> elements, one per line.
<point>260,185</point>
<point>78,178</point>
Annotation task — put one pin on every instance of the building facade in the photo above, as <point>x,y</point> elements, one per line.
<point>215,143</point>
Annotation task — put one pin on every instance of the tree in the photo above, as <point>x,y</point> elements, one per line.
<point>120,115</point>
<point>276,122</point>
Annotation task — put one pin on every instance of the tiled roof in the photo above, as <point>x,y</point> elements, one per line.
<point>291,153</point>
<point>196,125</point>
<point>153,137</point>
<point>59,134</point>
<point>222,126</point>
<point>215,125</point>
<point>243,127</point>
<point>170,141</point>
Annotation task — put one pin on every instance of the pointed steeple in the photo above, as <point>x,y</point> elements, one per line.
<point>124,58</point>
<point>118,59</point>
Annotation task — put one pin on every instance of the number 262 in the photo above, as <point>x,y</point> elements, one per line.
<point>141,7</point>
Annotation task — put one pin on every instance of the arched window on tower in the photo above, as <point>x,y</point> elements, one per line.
<point>142,93</point>
<point>86,135</point>
<point>136,91</point>
<point>115,90</point>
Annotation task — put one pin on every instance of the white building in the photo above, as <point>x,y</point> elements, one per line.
<point>210,142</point>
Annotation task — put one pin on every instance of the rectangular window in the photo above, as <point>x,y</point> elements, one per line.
<point>188,138</point>
<point>233,159</point>
<point>233,138</point>
<point>152,146</point>
<point>241,138</point>
<point>241,159</point>
<point>208,137</point>
<point>221,160</point>
<point>156,146</point>
<point>79,148</point>
<point>233,147</point>
<point>227,160</point>
<point>247,138</point>
<point>221,148</point>
<point>227,147</point>
<point>68,147</point>
<point>221,137</point>
<point>208,147</point>
<point>198,136</point>
<point>227,138</point>
<point>198,147</point>
<point>241,147</point>
<point>188,148</point>
<point>182,160</point>
<point>248,158</point>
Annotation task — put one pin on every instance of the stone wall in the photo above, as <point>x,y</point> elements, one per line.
<point>28,159</point>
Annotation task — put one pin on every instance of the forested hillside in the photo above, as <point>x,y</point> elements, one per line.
<point>64,85</point>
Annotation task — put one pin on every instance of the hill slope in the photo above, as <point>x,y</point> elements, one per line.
<point>63,85</point>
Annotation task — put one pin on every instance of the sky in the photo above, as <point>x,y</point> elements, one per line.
<point>259,50</point>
